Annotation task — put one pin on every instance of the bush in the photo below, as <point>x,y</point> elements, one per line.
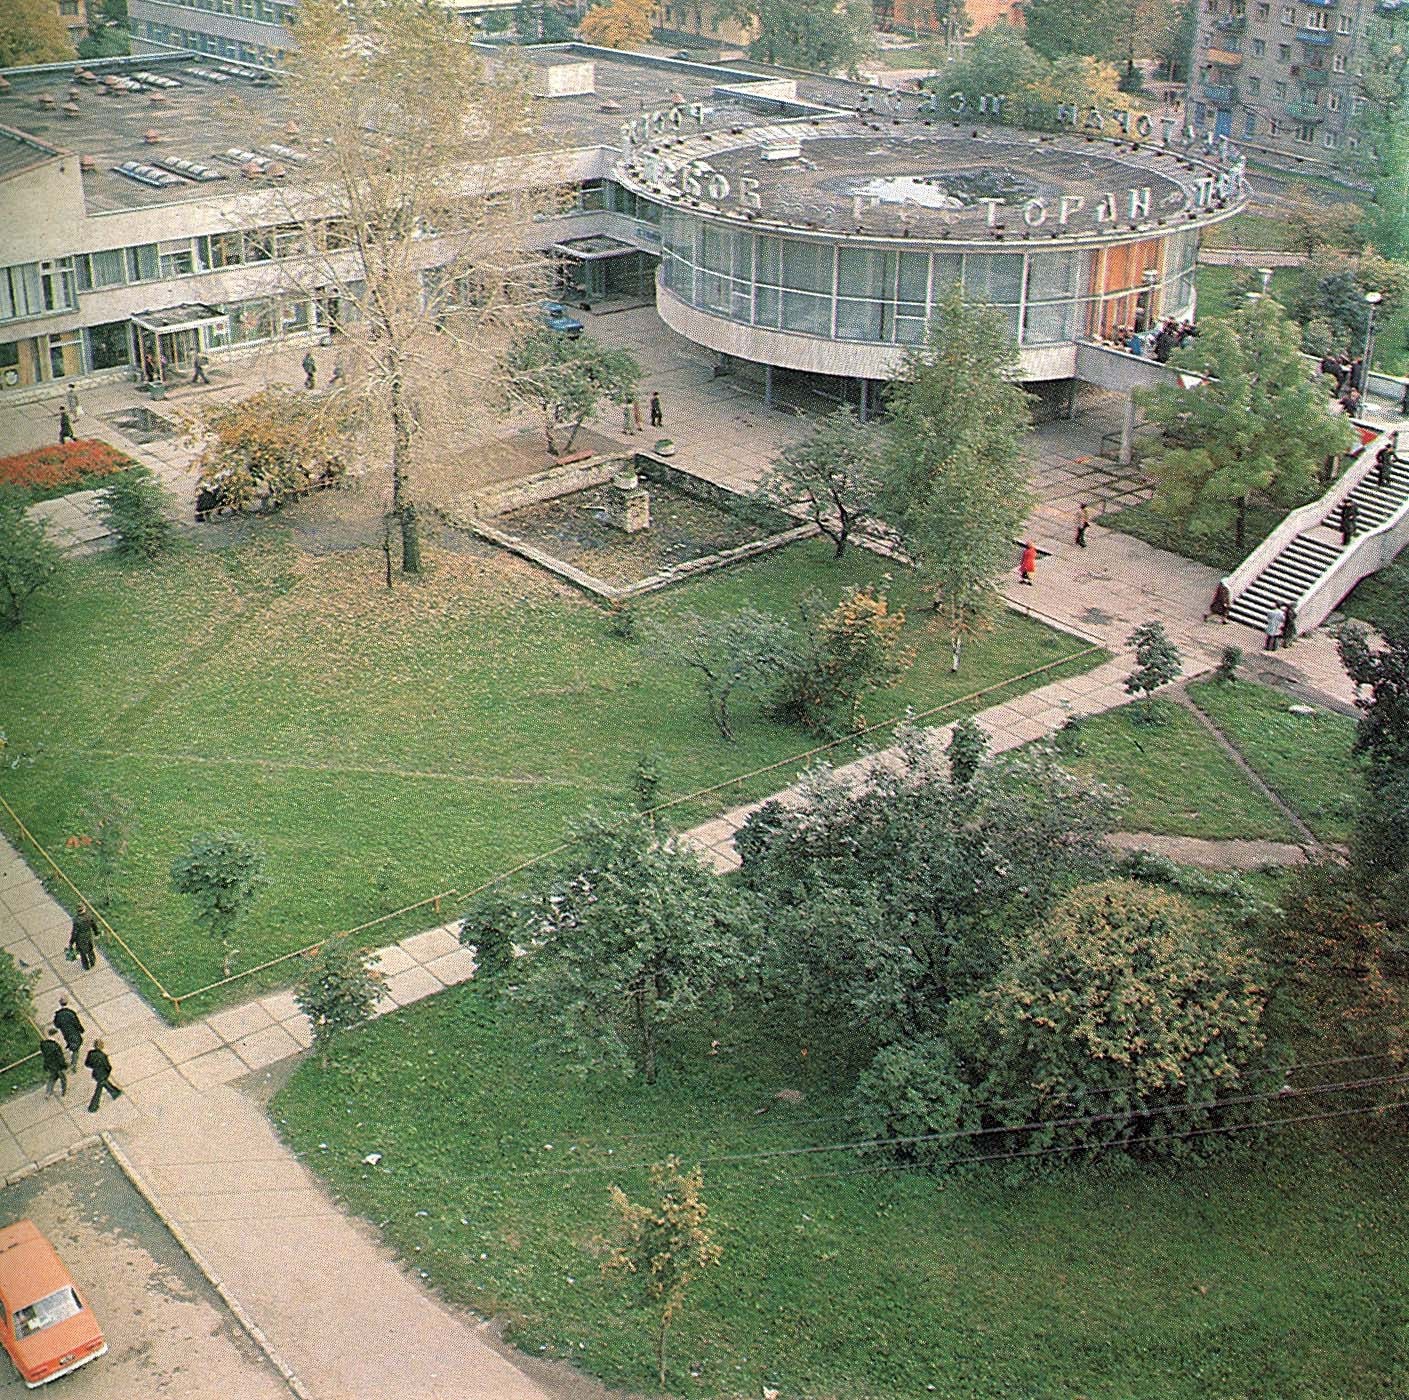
<point>55,471</point>
<point>1228,664</point>
<point>28,558</point>
<point>338,991</point>
<point>915,1089</point>
<point>133,507</point>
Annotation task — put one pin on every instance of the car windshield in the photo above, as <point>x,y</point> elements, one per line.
<point>57,1307</point>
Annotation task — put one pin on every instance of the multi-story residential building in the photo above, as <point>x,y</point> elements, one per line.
<point>1280,77</point>
<point>918,17</point>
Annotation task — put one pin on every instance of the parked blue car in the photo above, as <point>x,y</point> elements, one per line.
<point>556,318</point>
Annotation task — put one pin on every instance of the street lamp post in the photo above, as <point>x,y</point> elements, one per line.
<point>1266,274</point>
<point>1372,300</point>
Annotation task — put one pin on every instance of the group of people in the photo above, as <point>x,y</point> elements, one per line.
<point>58,1058</point>
<point>1157,344</point>
<point>631,415</point>
<point>1347,376</point>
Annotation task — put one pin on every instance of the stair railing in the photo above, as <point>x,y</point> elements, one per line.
<point>1305,518</point>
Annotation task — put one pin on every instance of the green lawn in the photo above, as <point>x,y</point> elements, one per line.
<point>1273,1273</point>
<point>387,746</point>
<point>1179,781</point>
<point>1217,551</point>
<point>1305,758</point>
<point>1382,596</point>
<point>1249,231</point>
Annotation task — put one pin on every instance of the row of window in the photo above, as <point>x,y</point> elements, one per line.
<point>212,44</point>
<point>1314,17</point>
<point>886,296</point>
<point>268,11</point>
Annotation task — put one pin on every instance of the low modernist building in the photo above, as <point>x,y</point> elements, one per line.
<point>807,223</point>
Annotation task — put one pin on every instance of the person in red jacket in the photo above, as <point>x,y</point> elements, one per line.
<point>1028,566</point>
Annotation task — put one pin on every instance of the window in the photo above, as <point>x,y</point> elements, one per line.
<point>993,277</point>
<point>1357,104</point>
<point>1337,63</point>
<point>1288,14</point>
<point>108,345</point>
<point>1343,24</point>
<point>175,258</point>
<point>143,263</point>
<point>1254,86</point>
<point>1284,52</point>
<point>57,284</point>
<point>1333,102</point>
<point>1304,135</point>
<point>1352,140</point>
<point>1317,19</point>
<point>1279,90</point>
<point>57,1307</point>
<point>1249,125</point>
<point>1328,140</point>
<point>1259,47</point>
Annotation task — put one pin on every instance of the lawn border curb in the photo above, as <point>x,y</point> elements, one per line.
<point>62,1155</point>
<point>251,1328</point>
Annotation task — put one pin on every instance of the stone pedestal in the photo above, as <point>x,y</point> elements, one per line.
<point>628,505</point>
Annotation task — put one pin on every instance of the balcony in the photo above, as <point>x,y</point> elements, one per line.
<point>1220,94</point>
<point>1311,77</point>
<point>1225,58</point>
<point>1322,4</point>
<point>1391,7</point>
<point>1316,38</point>
<point>1231,24</point>
<point>1307,113</point>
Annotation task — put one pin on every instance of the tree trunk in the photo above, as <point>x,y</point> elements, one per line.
<point>956,645</point>
<point>401,504</point>
<point>661,1329</point>
<point>645,1034</point>
<point>1240,523</point>
<point>843,530</point>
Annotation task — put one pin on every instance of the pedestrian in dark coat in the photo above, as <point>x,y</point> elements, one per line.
<point>66,432</point>
<point>1272,628</point>
<point>657,417</point>
<point>310,370</point>
<point>1028,565</point>
<point>101,1068</point>
<point>1083,523</point>
<point>55,1066</point>
<point>198,367</point>
<point>1289,624</point>
<point>1221,605</point>
<point>1384,462</point>
<point>1350,517</point>
<point>80,937</point>
<point>68,1025</point>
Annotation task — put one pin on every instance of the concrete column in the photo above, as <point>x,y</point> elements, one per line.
<point>768,386</point>
<point>1127,429</point>
<point>865,408</point>
<point>1071,400</point>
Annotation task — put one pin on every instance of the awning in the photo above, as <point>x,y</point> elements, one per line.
<point>178,318</point>
<point>595,248</point>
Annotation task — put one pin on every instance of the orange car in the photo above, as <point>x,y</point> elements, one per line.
<point>43,1322</point>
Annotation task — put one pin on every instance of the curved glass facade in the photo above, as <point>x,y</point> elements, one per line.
<point>887,296</point>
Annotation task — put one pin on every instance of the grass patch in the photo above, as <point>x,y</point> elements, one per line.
<point>1217,551</point>
<point>1270,1273</point>
<point>1249,231</point>
<point>1305,758</point>
<point>1381,598</point>
<point>386,746</point>
<point>1179,781</point>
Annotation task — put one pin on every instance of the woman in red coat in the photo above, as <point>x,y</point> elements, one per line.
<point>1028,567</point>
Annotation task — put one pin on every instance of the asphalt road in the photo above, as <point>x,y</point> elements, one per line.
<point>168,1332</point>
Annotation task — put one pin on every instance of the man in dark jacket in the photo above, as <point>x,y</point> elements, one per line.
<point>55,1066</point>
<point>1350,518</point>
<point>80,937</point>
<point>101,1069</point>
<point>68,1025</point>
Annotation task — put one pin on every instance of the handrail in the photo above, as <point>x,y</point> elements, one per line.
<point>1304,518</point>
<point>1365,555</point>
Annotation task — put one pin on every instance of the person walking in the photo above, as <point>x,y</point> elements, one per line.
<point>66,432</point>
<point>1083,523</point>
<point>68,1025</point>
<point>1272,627</point>
<point>1027,567</point>
<point>1350,518</point>
<point>1289,624</point>
<point>199,364</point>
<point>657,417</point>
<point>55,1066</point>
<point>1384,461</point>
<point>310,370</point>
<point>1404,401</point>
<point>80,937</point>
<point>1221,605</point>
<point>75,409</point>
<point>101,1068</point>
<point>636,414</point>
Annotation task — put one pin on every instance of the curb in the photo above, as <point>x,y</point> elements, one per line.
<point>63,1154</point>
<point>251,1327</point>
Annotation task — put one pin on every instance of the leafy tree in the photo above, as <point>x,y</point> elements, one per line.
<point>134,507</point>
<point>221,872</point>
<point>835,474</point>
<point>1157,663</point>
<point>566,381</point>
<point>1314,222</point>
<point>1382,57</point>
<point>742,651</point>
<point>664,1245</point>
<point>32,31</point>
<point>1124,999</point>
<point>999,62</point>
<point>28,558</point>
<point>275,444</point>
<point>827,36</point>
<point>631,937</point>
<point>1333,287</point>
<point>337,991</point>
<point>1171,35</point>
<point>487,928</point>
<point>968,748</point>
<point>1259,425</point>
<point>846,654</point>
<point>107,41</point>
<point>954,476</point>
<point>915,1089</point>
<point>1382,735</point>
<point>427,276</point>
<point>1116,31</point>
<point>618,24</point>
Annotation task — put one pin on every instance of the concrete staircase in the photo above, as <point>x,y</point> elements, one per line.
<point>1307,561</point>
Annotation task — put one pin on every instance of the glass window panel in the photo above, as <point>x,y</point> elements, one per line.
<point>993,277</point>
<point>741,302</point>
<point>866,272</point>
<point>947,267</point>
<point>807,266</point>
<point>1051,276</point>
<point>769,254</point>
<point>859,320</point>
<point>108,345</point>
<point>914,277</point>
<point>714,291</point>
<point>767,303</point>
<point>716,248</point>
<point>142,263</point>
<point>910,330</point>
<point>807,313</point>
<point>1047,323</point>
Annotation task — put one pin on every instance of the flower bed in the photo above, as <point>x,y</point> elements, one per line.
<point>47,472</point>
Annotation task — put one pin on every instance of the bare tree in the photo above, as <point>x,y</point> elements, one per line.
<point>412,188</point>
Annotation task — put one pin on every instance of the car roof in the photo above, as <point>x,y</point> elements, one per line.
<point>29,1267</point>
